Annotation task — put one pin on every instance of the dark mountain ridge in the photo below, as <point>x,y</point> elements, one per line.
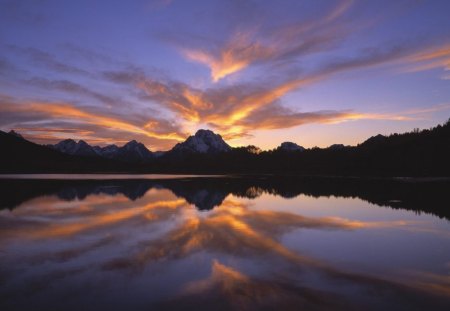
<point>19,155</point>
<point>132,151</point>
<point>416,153</point>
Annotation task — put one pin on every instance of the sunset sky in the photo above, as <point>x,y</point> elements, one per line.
<point>257,72</point>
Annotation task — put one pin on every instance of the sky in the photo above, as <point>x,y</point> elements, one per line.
<point>257,72</point>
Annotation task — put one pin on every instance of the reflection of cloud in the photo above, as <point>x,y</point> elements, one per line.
<point>90,221</point>
<point>230,289</point>
<point>431,282</point>
<point>221,275</point>
<point>72,252</point>
<point>233,228</point>
<point>115,235</point>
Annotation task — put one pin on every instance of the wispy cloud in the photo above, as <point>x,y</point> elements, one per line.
<point>236,55</point>
<point>74,89</point>
<point>23,114</point>
<point>108,98</point>
<point>49,61</point>
<point>235,110</point>
<point>255,46</point>
<point>431,58</point>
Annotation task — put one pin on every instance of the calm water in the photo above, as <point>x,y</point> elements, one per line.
<point>224,244</point>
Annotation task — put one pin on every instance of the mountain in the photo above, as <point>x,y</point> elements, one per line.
<point>336,147</point>
<point>132,151</point>
<point>288,146</point>
<point>375,140</point>
<point>14,133</point>
<point>416,153</point>
<point>107,151</point>
<point>19,155</point>
<point>204,141</point>
<point>70,146</point>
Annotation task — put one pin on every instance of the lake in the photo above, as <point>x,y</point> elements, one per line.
<point>223,243</point>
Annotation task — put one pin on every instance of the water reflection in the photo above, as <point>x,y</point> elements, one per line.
<point>223,243</point>
<point>206,193</point>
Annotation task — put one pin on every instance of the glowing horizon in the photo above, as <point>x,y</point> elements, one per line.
<point>255,73</point>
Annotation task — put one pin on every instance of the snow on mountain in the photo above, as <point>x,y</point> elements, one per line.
<point>70,146</point>
<point>204,141</point>
<point>132,151</point>
<point>108,151</point>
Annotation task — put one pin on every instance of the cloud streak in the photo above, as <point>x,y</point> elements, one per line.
<point>20,114</point>
<point>283,56</point>
<point>235,110</point>
<point>434,58</point>
<point>47,60</point>
<point>284,43</point>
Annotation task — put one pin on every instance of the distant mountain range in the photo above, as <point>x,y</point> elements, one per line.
<point>203,142</point>
<point>132,151</point>
<point>423,153</point>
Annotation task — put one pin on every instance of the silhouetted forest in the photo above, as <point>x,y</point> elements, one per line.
<point>417,153</point>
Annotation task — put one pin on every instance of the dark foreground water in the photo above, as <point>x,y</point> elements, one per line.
<point>219,243</point>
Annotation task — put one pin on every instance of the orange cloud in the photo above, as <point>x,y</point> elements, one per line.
<point>245,48</point>
<point>236,110</point>
<point>59,230</point>
<point>66,112</point>
<point>430,59</point>
<point>234,228</point>
<point>239,53</point>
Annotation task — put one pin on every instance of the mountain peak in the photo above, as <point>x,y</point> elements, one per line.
<point>290,146</point>
<point>72,147</point>
<point>203,141</point>
<point>132,142</point>
<point>133,151</point>
<point>205,133</point>
<point>336,147</point>
<point>67,141</point>
<point>375,140</point>
<point>14,133</point>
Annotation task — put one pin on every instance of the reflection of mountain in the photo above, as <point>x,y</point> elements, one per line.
<point>132,190</point>
<point>206,193</point>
